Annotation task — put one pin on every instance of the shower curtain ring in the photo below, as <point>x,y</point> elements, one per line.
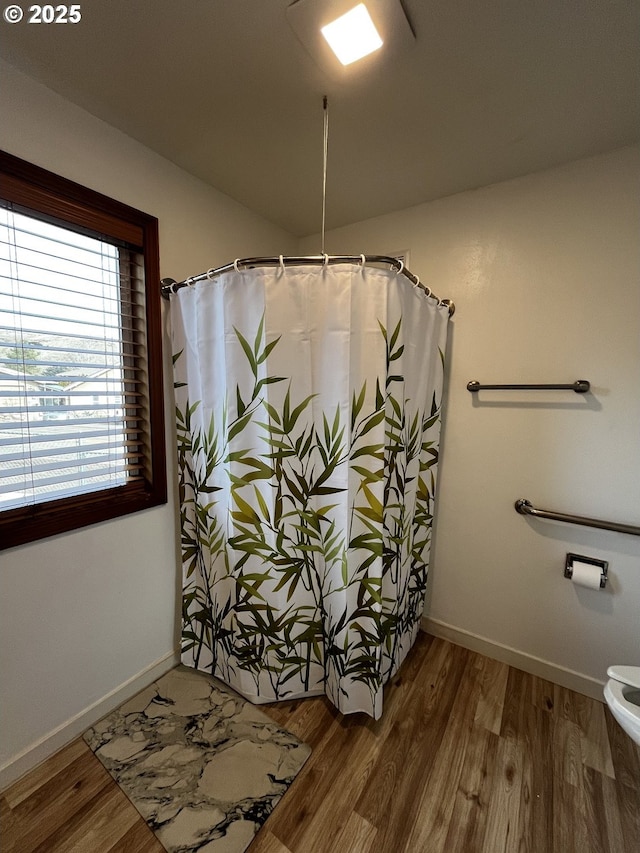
<point>281,263</point>
<point>325,260</point>
<point>401,267</point>
<point>210,274</point>
<point>235,265</point>
<point>363,260</point>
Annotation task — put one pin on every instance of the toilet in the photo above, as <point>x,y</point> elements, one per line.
<point>622,695</point>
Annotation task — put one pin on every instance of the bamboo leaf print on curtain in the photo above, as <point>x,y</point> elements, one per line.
<point>308,419</point>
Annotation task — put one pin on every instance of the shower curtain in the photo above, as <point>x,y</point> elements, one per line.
<point>308,417</point>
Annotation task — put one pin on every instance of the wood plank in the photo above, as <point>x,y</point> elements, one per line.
<point>603,826</point>
<point>433,814</point>
<point>402,756</point>
<point>625,755</point>
<point>528,718</point>
<point>266,842</point>
<point>572,706</point>
<point>501,832</point>
<point>467,825</point>
<point>542,693</point>
<point>427,715</point>
<point>8,824</point>
<point>316,781</point>
<point>492,696</point>
<point>537,790</point>
<point>629,812</point>
<point>331,814</point>
<point>567,753</point>
<point>404,751</point>
<point>594,740</point>
<point>523,692</point>
<point>43,773</point>
<point>357,836</point>
<point>55,803</point>
<point>96,828</point>
<point>612,820</point>
<point>569,833</point>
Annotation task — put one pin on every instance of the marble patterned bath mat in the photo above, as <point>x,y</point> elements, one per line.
<point>203,767</point>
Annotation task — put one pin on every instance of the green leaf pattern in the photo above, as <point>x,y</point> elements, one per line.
<point>305,532</point>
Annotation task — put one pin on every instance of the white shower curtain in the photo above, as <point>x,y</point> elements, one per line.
<point>308,416</point>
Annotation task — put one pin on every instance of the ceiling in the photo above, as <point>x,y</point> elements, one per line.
<point>489,90</point>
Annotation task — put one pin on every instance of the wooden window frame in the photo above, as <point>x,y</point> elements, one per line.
<point>48,194</point>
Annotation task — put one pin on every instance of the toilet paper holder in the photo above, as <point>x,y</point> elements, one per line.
<point>603,565</point>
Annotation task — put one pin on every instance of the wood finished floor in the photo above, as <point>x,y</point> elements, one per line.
<point>470,756</point>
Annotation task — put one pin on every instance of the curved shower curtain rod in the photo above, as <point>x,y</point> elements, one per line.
<point>170,286</point>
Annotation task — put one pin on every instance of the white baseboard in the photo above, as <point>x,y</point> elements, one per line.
<point>520,660</point>
<point>46,746</point>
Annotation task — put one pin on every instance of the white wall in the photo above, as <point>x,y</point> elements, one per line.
<point>544,271</point>
<point>87,617</point>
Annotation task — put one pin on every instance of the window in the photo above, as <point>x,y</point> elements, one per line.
<point>81,412</point>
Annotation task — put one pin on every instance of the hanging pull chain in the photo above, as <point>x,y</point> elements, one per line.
<point>325,139</point>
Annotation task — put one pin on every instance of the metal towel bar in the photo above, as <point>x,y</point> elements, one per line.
<point>580,386</point>
<point>525,507</point>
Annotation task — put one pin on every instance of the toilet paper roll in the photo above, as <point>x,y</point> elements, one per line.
<point>585,574</point>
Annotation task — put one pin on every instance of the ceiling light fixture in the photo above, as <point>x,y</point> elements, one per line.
<point>315,22</point>
<point>353,35</point>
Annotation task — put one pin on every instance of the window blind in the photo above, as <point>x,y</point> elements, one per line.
<point>73,399</point>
